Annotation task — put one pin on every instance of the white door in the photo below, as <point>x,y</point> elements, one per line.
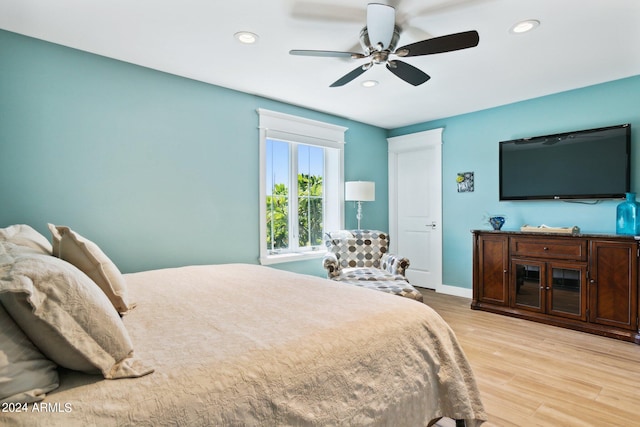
<point>415,204</point>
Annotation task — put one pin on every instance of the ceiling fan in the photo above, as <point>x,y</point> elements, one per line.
<point>378,40</point>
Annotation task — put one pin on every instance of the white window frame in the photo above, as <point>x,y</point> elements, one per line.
<point>293,129</point>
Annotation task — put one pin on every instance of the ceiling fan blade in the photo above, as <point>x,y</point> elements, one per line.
<point>381,21</point>
<point>319,11</point>
<point>407,72</point>
<point>326,53</point>
<point>447,6</point>
<point>441,44</point>
<point>416,33</point>
<point>349,76</point>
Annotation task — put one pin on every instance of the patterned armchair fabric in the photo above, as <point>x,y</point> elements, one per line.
<point>360,257</point>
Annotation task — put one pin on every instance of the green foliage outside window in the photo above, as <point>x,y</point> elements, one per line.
<point>278,218</point>
<point>310,213</point>
<point>309,210</point>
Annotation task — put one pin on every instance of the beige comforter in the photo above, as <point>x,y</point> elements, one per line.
<point>244,345</point>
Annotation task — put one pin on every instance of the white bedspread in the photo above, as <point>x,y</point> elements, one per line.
<point>244,345</point>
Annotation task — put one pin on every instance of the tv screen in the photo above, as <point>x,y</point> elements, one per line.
<point>586,164</point>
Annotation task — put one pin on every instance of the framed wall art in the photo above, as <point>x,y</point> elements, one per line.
<point>465,182</point>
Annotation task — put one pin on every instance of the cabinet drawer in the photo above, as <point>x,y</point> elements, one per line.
<point>574,249</point>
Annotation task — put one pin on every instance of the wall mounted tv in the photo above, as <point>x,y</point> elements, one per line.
<point>586,164</point>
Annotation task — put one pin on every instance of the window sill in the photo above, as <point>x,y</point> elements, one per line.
<point>290,257</point>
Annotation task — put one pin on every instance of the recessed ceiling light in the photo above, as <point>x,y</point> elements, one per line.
<point>524,26</point>
<point>370,83</point>
<point>246,37</point>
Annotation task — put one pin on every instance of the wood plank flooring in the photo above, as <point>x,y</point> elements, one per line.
<point>530,374</point>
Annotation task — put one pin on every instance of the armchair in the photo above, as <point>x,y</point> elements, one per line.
<point>361,258</point>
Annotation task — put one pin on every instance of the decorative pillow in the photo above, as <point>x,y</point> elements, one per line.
<point>5,256</point>
<point>24,235</point>
<point>25,374</point>
<point>88,257</point>
<point>67,316</point>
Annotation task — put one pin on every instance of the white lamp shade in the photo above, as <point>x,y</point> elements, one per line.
<point>360,191</point>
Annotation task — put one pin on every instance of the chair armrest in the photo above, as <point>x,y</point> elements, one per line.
<point>330,263</point>
<point>394,264</point>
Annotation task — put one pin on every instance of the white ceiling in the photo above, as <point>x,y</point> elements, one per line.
<point>579,43</point>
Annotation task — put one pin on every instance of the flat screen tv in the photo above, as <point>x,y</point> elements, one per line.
<point>586,164</point>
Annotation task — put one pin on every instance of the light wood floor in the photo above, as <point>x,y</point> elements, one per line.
<point>530,374</point>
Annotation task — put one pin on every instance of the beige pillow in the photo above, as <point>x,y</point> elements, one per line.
<point>25,235</point>
<point>25,374</point>
<point>67,316</point>
<point>5,255</point>
<point>88,257</point>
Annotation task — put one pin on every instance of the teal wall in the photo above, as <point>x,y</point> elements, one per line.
<point>162,171</point>
<point>471,144</point>
<point>159,170</point>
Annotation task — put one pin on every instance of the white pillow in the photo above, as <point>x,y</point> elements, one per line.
<point>89,258</point>
<point>25,374</point>
<point>25,235</point>
<point>67,316</point>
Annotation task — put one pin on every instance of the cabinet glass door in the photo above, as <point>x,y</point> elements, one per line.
<point>567,292</point>
<point>528,277</point>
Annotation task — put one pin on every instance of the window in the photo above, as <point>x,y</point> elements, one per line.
<point>295,196</point>
<point>301,180</point>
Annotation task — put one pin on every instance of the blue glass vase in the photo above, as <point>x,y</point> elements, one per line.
<point>496,222</point>
<point>627,216</point>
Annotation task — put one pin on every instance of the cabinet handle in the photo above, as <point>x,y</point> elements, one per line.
<point>505,271</point>
<point>545,248</point>
<point>592,281</point>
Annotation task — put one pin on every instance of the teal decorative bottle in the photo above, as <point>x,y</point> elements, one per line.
<point>627,212</point>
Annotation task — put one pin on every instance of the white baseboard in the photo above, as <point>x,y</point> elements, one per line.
<point>455,290</point>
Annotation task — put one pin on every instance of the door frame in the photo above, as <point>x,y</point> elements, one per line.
<point>403,144</point>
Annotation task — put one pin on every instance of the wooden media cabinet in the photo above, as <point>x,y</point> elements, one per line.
<point>586,282</point>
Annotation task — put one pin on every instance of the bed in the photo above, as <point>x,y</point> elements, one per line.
<point>247,345</point>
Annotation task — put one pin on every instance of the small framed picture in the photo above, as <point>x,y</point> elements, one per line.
<point>465,182</point>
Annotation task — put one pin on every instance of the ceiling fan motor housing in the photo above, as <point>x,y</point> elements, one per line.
<point>367,46</point>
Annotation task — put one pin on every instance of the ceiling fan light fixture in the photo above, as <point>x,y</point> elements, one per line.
<point>524,26</point>
<point>380,24</point>
<point>370,83</point>
<point>246,37</point>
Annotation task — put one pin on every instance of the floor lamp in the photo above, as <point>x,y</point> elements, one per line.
<point>359,191</point>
